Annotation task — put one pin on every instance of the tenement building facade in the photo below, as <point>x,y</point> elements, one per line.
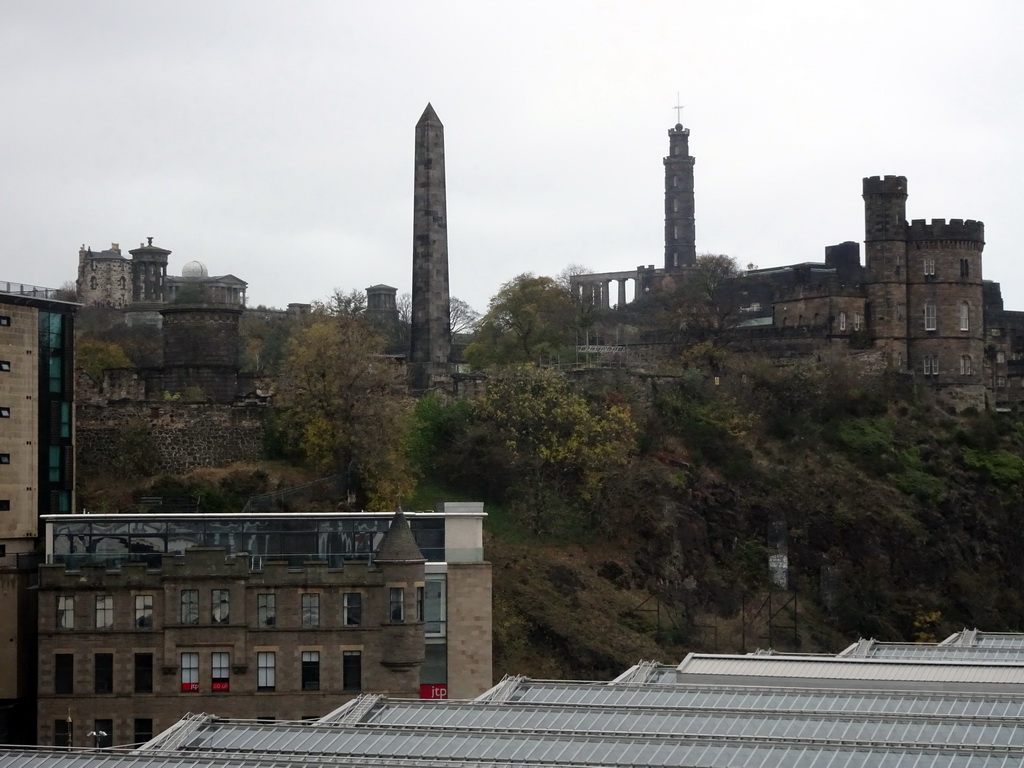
<point>143,619</point>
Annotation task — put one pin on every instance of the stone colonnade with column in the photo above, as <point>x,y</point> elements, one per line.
<point>597,289</point>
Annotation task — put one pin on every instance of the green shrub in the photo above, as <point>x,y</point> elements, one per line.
<point>914,479</point>
<point>864,438</point>
<point>919,484</point>
<point>1001,467</point>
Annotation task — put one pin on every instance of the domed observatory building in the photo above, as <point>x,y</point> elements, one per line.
<point>196,286</point>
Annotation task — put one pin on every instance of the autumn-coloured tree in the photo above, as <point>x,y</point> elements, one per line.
<point>560,446</point>
<point>528,318</point>
<point>345,407</point>
<point>95,356</point>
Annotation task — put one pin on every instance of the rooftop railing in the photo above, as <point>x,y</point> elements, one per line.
<point>35,291</point>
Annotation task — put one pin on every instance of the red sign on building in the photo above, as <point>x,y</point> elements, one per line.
<point>434,691</point>
<point>221,685</point>
<point>190,687</point>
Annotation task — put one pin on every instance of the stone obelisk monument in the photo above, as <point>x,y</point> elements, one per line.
<point>431,312</point>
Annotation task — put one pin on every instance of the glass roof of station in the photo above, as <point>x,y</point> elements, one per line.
<point>909,730</point>
<point>476,747</point>
<point>469,751</point>
<point>963,653</point>
<point>1000,640</point>
<point>969,645</point>
<point>956,704</point>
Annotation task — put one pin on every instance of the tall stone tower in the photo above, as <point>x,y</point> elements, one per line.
<point>885,256</point>
<point>149,268</point>
<point>925,291</point>
<point>680,235</point>
<point>431,311</point>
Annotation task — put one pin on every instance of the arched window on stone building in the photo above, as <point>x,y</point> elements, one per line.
<point>92,282</point>
<point>121,282</point>
<point>965,365</point>
<point>930,316</point>
<point>842,321</point>
<point>965,316</point>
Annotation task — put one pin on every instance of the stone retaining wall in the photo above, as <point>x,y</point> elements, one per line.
<point>175,437</point>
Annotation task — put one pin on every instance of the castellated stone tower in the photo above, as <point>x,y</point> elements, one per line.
<point>925,290</point>
<point>431,312</point>
<point>885,255</point>
<point>680,234</point>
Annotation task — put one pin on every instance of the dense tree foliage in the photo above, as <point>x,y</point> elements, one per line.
<point>94,357</point>
<point>559,446</point>
<point>530,318</point>
<point>345,407</point>
<point>141,344</point>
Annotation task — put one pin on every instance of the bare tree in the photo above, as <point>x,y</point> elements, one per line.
<point>404,306</point>
<point>342,303</point>
<point>708,306</point>
<point>463,317</point>
<point>566,276</point>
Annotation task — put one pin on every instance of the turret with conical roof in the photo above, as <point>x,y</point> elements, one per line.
<point>398,544</point>
<point>402,564</point>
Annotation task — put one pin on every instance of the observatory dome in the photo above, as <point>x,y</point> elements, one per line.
<point>194,269</point>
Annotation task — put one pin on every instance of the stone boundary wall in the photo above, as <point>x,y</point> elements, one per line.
<point>182,436</point>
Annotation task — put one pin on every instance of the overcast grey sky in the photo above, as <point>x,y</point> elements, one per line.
<point>274,140</point>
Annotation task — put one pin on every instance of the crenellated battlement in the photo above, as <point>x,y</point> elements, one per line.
<point>938,229</point>
<point>885,185</point>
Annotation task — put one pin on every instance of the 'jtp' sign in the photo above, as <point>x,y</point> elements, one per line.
<point>434,691</point>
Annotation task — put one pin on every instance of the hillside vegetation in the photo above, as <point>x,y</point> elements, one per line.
<point>633,515</point>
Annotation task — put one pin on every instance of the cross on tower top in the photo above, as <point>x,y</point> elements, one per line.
<point>679,109</point>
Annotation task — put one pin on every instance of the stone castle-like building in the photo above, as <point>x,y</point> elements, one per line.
<point>918,306</point>
<point>107,278</point>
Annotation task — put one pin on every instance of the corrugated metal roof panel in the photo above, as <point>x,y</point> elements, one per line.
<point>853,669</point>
